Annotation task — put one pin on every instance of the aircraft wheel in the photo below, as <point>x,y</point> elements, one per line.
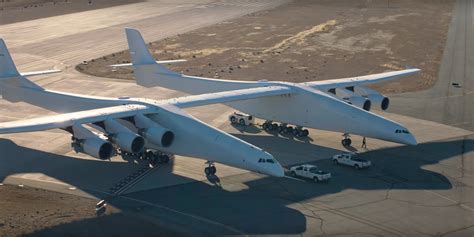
<point>293,173</point>
<point>165,159</point>
<point>242,122</point>
<point>346,142</point>
<point>289,130</point>
<point>207,171</point>
<point>336,162</point>
<point>213,170</point>
<point>233,119</point>
<point>265,126</point>
<point>274,126</point>
<point>305,132</point>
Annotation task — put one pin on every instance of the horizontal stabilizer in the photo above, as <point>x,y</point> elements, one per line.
<point>39,73</point>
<point>159,62</point>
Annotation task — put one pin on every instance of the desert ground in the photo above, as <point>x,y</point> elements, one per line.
<point>308,41</point>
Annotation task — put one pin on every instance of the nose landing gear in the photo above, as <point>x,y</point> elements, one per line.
<point>210,169</point>
<point>346,141</point>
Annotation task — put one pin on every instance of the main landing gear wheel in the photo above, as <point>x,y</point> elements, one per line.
<point>211,169</point>
<point>233,119</point>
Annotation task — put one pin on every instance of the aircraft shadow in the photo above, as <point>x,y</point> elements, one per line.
<point>259,206</point>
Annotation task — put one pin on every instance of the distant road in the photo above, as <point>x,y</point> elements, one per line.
<point>445,103</point>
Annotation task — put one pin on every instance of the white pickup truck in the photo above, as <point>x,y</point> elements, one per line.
<point>351,159</point>
<point>310,172</point>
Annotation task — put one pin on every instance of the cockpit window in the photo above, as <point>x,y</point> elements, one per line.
<point>261,160</point>
<point>402,131</point>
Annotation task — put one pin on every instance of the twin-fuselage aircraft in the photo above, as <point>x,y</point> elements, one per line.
<point>99,126</point>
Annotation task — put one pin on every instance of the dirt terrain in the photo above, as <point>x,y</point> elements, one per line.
<point>34,212</point>
<point>12,11</point>
<point>310,40</point>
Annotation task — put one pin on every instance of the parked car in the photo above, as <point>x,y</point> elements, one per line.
<point>351,159</point>
<point>310,172</point>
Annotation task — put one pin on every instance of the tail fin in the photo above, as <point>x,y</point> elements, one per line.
<point>138,49</point>
<point>7,67</point>
<point>146,69</point>
<point>12,83</point>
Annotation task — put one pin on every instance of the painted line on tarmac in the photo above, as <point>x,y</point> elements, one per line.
<point>186,214</point>
<point>451,200</point>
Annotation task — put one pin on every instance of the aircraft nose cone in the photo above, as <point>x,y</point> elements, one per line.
<point>277,171</point>
<point>411,140</point>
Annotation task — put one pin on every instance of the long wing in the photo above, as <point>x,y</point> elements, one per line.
<point>360,81</point>
<point>229,96</point>
<point>75,118</point>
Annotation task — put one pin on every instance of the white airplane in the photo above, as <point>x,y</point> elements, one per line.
<point>340,105</point>
<point>99,125</point>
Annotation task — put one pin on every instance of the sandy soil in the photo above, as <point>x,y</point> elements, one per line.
<point>12,11</point>
<point>310,40</point>
<point>34,212</point>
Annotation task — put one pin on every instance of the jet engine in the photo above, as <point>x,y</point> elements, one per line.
<point>123,137</point>
<point>97,148</point>
<point>353,98</point>
<point>382,101</point>
<point>153,132</point>
<point>95,145</point>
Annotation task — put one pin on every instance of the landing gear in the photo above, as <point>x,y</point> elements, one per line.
<point>210,169</point>
<point>157,157</point>
<point>300,132</point>
<point>285,129</point>
<point>269,126</point>
<point>346,141</point>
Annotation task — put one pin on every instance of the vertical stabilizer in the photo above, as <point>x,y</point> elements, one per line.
<point>146,71</point>
<point>138,49</point>
<point>7,67</point>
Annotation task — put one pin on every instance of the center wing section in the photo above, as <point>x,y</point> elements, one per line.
<point>76,118</point>
<point>229,96</point>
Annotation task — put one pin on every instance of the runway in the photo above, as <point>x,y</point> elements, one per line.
<point>410,191</point>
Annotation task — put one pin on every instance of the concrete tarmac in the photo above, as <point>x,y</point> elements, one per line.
<point>447,103</point>
<point>410,191</point>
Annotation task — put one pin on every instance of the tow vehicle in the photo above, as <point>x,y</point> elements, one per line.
<point>241,118</point>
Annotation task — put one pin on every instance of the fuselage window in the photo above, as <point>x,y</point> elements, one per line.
<point>261,160</point>
<point>270,161</point>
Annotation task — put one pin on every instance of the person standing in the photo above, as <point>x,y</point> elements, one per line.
<point>364,143</point>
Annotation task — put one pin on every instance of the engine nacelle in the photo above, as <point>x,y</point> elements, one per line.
<point>123,137</point>
<point>97,148</point>
<point>128,141</point>
<point>353,98</point>
<point>378,99</point>
<point>153,132</point>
